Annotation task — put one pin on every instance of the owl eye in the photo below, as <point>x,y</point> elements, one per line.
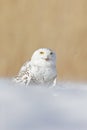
<point>51,53</point>
<point>41,52</point>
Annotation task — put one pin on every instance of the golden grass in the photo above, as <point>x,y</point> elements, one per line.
<point>26,25</point>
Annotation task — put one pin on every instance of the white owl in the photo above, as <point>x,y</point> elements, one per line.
<point>40,70</point>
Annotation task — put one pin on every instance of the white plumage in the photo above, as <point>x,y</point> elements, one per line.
<point>41,69</point>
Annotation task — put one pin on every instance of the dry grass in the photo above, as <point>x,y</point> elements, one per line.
<point>26,25</point>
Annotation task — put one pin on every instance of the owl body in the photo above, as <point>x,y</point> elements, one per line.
<point>40,70</point>
<point>43,75</point>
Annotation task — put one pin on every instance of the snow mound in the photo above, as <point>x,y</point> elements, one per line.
<point>40,108</point>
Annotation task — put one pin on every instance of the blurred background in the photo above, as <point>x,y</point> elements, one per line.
<point>26,25</point>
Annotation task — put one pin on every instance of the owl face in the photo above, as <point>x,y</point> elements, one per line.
<point>44,56</point>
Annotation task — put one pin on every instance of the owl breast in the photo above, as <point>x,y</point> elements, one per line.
<point>43,74</point>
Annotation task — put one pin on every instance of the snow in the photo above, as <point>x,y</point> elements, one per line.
<point>63,107</point>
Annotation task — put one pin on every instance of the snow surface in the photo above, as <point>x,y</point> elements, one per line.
<point>63,107</point>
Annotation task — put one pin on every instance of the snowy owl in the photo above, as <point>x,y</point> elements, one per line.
<point>40,70</point>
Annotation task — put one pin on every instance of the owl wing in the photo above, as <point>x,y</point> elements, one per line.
<point>24,75</point>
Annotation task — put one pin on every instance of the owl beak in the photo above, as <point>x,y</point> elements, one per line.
<point>47,59</point>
